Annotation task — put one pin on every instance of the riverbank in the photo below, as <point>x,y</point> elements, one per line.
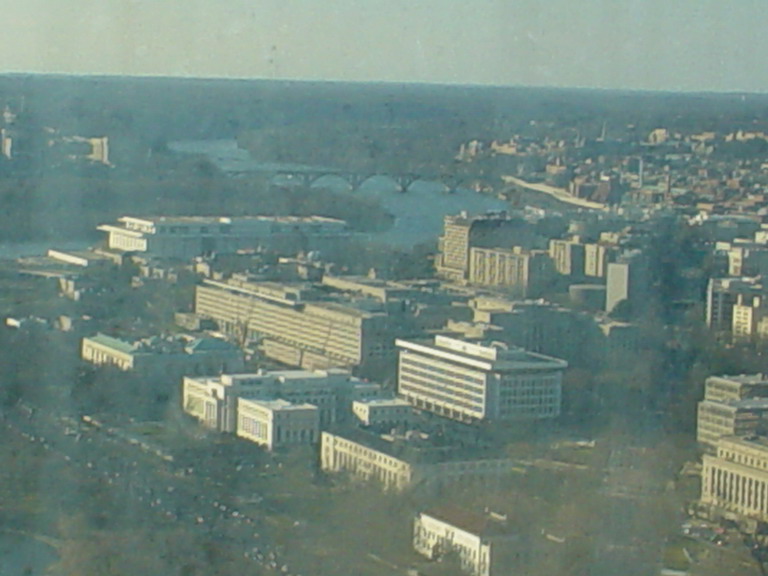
<point>559,194</point>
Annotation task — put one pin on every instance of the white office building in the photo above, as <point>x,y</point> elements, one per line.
<point>397,464</point>
<point>186,237</point>
<point>277,423</point>
<point>734,481</point>
<point>732,406</point>
<point>482,542</point>
<point>383,412</point>
<point>213,400</point>
<point>471,382</point>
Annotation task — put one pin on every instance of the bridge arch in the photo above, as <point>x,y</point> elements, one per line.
<point>285,180</point>
<point>332,182</point>
<point>428,184</point>
<point>379,183</point>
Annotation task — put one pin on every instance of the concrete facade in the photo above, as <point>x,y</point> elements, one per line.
<point>383,412</point>
<point>471,382</point>
<point>277,423</point>
<point>461,233</point>
<point>567,256</point>
<point>523,273</point>
<point>734,482</point>
<point>301,330</point>
<point>368,458</point>
<point>186,237</point>
<point>213,400</point>
<point>158,356</point>
<point>478,540</point>
<point>627,280</point>
<point>732,406</point>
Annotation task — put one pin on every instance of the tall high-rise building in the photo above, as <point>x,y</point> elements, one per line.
<point>521,273</point>
<point>568,256</point>
<point>748,311</point>
<point>627,280</point>
<point>722,295</point>
<point>597,256</point>
<point>461,233</point>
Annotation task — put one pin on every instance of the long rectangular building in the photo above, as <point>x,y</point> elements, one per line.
<point>313,334</point>
<point>213,400</point>
<point>163,356</point>
<point>189,236</point>
<point>471,382</point>
<point>734,482</point>
<point>370,458</point>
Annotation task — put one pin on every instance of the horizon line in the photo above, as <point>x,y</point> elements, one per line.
<point>401,83</point>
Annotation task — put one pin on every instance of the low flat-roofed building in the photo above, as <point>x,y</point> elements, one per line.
<point>383,412</point>
<point>619,336</point>
<point>734,481</point>
<point>471,382</point>
<point>718,419</point>
<point>213,400</point>
<point>482,543</point>
<point>735,387</point>
<point>398,464</point>
<point>543,327</point>
<point>277,423</point>
<point>82,258</point>
<point>732,406</point>
<point>299,325</point>
<point>186,237</point>
<point>171,356</point>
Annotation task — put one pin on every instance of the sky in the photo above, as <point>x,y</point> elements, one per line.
<point>713,45</point>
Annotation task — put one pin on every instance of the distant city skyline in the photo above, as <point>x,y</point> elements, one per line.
<point>691,45</point>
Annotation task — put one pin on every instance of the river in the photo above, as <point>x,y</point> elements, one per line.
<point>418,213</point>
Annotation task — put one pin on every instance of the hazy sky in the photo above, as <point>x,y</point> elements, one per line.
<point>649,44</point>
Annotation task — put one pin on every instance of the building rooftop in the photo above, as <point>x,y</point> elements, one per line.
<point>485,355</point>
<point>282,376</point>
<point>486,524</point>
<point>114,343</point>
<point>384,402</point>
<point>279,405</point>
<point>223,219</point>
<point>163,345</point>
<point>737,405</point>
<point>760,442</point>
<point>416,447</point>
<point>745,378</point>
<point>752,404</point>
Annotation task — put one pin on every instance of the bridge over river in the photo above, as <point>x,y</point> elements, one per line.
<point>232,160</point>
<point>418,216</point>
